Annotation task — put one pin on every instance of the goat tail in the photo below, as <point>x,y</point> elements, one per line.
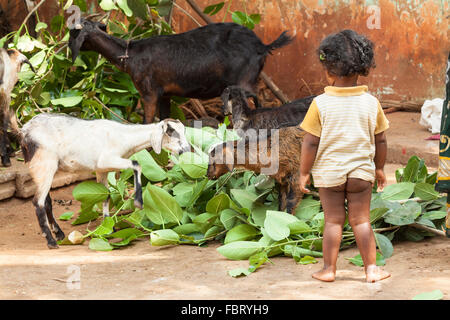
<point>283,40</point>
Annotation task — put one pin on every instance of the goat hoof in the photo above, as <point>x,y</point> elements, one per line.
<point>59,235</point>
<point>6,162</point>
<point>52,245</point>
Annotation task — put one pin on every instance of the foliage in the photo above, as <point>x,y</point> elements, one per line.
<point>240,210</point>
<point>90,87</point>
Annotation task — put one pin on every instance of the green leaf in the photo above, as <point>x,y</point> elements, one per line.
<point>384,244</point>
<point>106,227</point>
<point>204,221</point>
<point>67,101</point>
<point>433,295</point>
<point>297,252</point>
<point>307,209</point>
<point>431,178</point>
<point>399,191</point>
<point>277,224</point>
<point>108,5</point>
<point>357,260</point>
<point>307,260</point>
<point>90,193</point>
<point>86,215</point>
<point>241,232</point>
<point>66,216</point>
<point>40,26</point>
<point>240,250</point>
<point>99,244</point>
<point>194,165</point>
<point>150,169</point>
<point>406,214</point>
<point>228,217</point>
<point>411,170</point>
<point>425,191</point>
<point>239,272</point>
<point>298,227</point>
<point>434,215</point>
<point>377,213</point>
<point>186,228</point>
<point>213,9</point>
<point>165,204</point>
<point>244,198</point>
<point>164,237</point>
<point>218,203</point>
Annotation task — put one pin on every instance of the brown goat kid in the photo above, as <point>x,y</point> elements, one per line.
<point>199,63</point>
<point>283,150</point>
<point>11,61</point>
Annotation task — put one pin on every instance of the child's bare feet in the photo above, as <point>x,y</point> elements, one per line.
<point>374,274</point>
<point>326,274</point>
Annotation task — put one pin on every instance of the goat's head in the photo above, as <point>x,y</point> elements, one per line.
<point>170,135</point>
<point>11,63</point>
<point>235,95</point>
<point>79,35</point>
<point>219,162</point>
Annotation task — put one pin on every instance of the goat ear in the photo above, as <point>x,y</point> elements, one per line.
<point>157,137</point>
<point>76,40</point>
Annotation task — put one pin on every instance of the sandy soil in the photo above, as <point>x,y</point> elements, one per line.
<point>31,271</point>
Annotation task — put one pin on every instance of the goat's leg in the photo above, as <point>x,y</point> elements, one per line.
<point>294,196</point>
<point>116,163</point>
<point>42,169</point>
<point>59,234</point>
<point>150,106</point>
<point>282,193</point>
<point>102,177</point>
<point>164,107</point>
<point>4,141</point>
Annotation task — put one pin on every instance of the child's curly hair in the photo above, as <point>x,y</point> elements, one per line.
<point>347,53</point>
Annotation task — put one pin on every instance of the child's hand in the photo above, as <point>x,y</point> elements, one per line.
<point>381,179</point>
<point>305,179</point>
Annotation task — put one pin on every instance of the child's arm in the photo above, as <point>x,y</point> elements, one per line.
<point>380,159</point>
<point>307,157</point>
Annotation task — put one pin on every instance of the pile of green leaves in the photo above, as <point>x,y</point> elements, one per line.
<point>182,206</point>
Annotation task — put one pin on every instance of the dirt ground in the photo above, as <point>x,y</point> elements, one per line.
<point>31,271</point>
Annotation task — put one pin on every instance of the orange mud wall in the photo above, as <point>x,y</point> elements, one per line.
<point>411,45</point>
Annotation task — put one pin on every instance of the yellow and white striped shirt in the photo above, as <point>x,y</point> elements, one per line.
<point>346,119</point>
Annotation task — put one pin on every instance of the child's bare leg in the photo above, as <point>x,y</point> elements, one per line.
<point>333,200</point>
<point>359,193</point>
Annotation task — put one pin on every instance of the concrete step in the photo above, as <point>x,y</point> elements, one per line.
<point>16,180</point>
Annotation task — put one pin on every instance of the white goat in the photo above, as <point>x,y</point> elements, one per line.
<point>55,141</point>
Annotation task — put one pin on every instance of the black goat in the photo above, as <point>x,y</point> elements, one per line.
<point>234,100</point>
<point>199,63</point>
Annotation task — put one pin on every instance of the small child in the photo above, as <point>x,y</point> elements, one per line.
<point>345,149</point>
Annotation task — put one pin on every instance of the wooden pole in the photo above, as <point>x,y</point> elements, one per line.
<point>267,80</point>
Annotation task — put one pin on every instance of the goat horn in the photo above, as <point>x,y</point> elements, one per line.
<point>78,26</point>
<point>29,63</point>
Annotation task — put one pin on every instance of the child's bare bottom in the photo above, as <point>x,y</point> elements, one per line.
<point>358,194</point>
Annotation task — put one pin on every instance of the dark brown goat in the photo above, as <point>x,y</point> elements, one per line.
<point>277,155</point>
<point>196,64</point>
<point>234,100</point>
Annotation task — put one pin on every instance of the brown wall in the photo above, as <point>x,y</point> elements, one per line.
<point>411,46</point>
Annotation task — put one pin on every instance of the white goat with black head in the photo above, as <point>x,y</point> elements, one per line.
<point>55,141</point>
